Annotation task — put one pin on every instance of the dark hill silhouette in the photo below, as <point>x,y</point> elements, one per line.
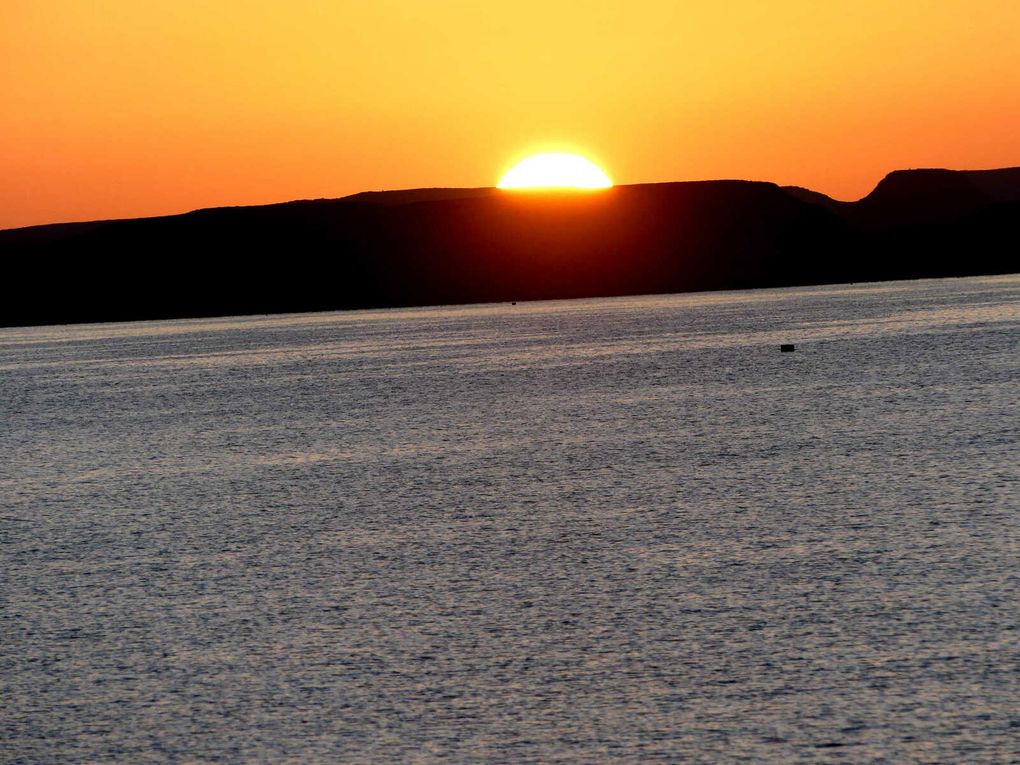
<point>816,197</point>
<point>920,196</point>
<point>1000,185</point>
<point>409,196</point>
<point>436,246</point>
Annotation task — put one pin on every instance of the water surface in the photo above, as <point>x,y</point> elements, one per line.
<point>625,530</point>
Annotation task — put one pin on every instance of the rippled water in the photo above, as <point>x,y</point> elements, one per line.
<point>623,530</point>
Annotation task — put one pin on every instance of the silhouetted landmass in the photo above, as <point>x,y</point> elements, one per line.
<point>442,246</point>
<point>816,198</point>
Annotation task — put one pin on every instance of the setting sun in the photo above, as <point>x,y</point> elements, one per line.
<point>564,171</point>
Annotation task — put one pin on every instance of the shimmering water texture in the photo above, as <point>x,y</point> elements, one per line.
<point>606,531</point>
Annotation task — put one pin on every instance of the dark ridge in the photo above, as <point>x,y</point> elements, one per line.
<point>442,246</point>
<point>920,196</point>
<point>48,232</point>
<point>1001,185</point>
<point>815,197</point>
<point>411,196</point>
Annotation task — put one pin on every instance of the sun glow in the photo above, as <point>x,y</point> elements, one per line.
<point>555,171</point>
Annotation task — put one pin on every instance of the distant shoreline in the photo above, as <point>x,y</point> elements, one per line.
<point>521,303</point>
<point>460,246</point>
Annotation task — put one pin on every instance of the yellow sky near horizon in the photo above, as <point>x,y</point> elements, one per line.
<point>121,108</point>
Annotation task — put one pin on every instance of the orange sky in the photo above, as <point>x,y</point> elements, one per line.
<point>117,108</point>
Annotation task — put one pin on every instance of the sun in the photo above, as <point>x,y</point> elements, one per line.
<point>555,171</point>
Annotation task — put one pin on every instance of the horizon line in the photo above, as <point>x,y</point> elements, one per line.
<point>97,221</point>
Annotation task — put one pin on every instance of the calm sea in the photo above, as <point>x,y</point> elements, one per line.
<point>600,531</point>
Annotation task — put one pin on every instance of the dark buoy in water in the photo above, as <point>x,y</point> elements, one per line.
<point>514,303</point>
<point>787,348</point>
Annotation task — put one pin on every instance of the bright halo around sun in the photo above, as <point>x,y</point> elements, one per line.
<point>555,171</point>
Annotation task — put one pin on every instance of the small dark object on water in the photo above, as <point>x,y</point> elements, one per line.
<point>786,348</point>
<point>514,303</point>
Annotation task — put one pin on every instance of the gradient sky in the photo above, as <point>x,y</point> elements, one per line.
<point>119,108</point>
